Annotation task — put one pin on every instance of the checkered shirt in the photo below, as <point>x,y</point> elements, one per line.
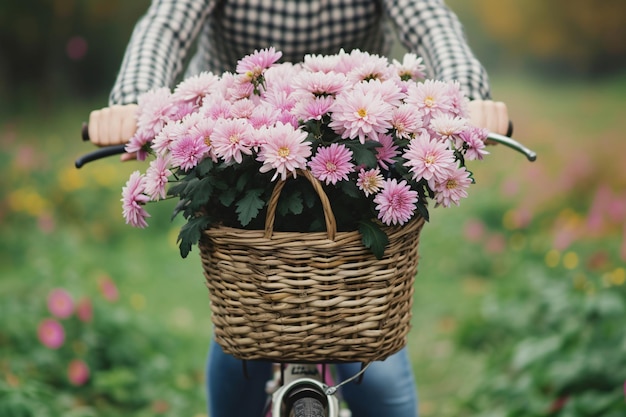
<point>211,35</point>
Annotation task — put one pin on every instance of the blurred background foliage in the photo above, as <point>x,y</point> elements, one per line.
<point>52,48</point>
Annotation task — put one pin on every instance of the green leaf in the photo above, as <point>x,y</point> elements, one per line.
<point>373,237</point>
<point>290,203</point>
<point>190,234</point>
<point>364,154</point>
<point>249,206</point>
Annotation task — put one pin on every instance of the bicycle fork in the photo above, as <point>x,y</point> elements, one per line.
<point>303,380</point>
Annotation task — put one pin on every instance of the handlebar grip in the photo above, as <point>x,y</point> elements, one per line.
<point>85,132</point>
<point>100,153</point>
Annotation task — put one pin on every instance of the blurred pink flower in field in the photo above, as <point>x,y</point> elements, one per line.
<point>51,333</point>
<point>84,310</point>
<point>108,288</point>
<point>60,303</point>
<point>496,243</point>
<point>77,372</point>
<point>46,223</point>
<point>474,230</point>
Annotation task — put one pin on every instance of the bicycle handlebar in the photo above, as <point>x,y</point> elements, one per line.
<point>505,140</point>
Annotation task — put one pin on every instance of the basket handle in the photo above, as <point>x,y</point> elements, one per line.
<point>329,216</point>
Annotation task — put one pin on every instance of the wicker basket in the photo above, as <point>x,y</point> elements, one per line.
<point>309,297</point>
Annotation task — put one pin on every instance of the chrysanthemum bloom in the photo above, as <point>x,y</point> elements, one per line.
<point>406,121</point>
<point>429,159</point>
<point>285,150</point>
<point>473,138</point>
<point>232,139</point>
<point>430,97</point>
<point>321,83</point>
<point>242,109</point>
<point>193,89</point>
<point>139,144</point>
<point>411,67</point>
<point>372,68</point>
<point>203,130</point>
<point>187,151</point>
<point>157,176</point>
<point>108,289</point>
<point>453,188</point>
<point>332,164</point>
<point>447,127</point>
<point>388,90</point>
<point>170,132</point>
<point>313,108</point>
<point>370,181</point>
<point>77,372</point>
<point>133,200</point>
<point>263,115</point>
<point>216,107</point>
<point>253,65</point>
<point>84,310</point>
<point>396,203</point>
<point>360,114</point>
<point>51,333</point>
<point>60,303</point>
<point>457,99</point>
<point>155,109</point>
<point>386,153</point>
<point>320,63</point>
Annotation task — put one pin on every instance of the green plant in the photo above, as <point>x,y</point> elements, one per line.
<point>557,348</point>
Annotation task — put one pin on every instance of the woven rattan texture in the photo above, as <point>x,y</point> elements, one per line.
<point>303,297</point>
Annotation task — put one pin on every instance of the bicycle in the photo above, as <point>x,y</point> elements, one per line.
<point>302,389</point>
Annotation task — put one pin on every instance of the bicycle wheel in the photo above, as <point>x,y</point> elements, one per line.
<point>307,407</point>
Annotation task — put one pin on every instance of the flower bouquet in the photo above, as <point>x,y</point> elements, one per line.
<point>380,139</point>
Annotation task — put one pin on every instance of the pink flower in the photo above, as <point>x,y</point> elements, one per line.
<point>473,138</point>
<point>253,65</point>
<point>133,200</point>
<point>411,67</point>
<point>285,150</point>
<point>386,153</point>
<point>263,116</point>
<point>406,121</point>
<point>447,127</point>
<point>77,372</point>
<point>429,159</point>
<point>452,188</point>
<point>458,101</point>
<point>84,310</point>
<point>232,138</point>
<point>157,176</point>
<point>360,114</point>
<point>155,109</point>
<point>321,84</point>
<point>332,164</point>
<point>372,67</point>
<point>370,181</point>
<point>108,289</point>
<point>396,203</point>
<point>429,97</point>
<point>51,333</point>
<point>187,151</point>
<point>195,88</point>
<point>60,303</point>
<point>313,108</point>
<point>139,143</point>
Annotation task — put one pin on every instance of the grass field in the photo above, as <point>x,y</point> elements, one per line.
<point>62,228</point>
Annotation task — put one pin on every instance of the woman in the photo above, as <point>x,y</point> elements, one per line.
<point>212,35</point>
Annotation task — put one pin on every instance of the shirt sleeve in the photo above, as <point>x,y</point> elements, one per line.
<point>159,46</point>
<point>431,30</point>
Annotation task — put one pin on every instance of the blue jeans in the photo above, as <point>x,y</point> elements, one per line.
<point>387,389</point>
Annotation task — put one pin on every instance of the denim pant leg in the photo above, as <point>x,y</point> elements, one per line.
<point>230,393</point>
<point>387,388</point>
